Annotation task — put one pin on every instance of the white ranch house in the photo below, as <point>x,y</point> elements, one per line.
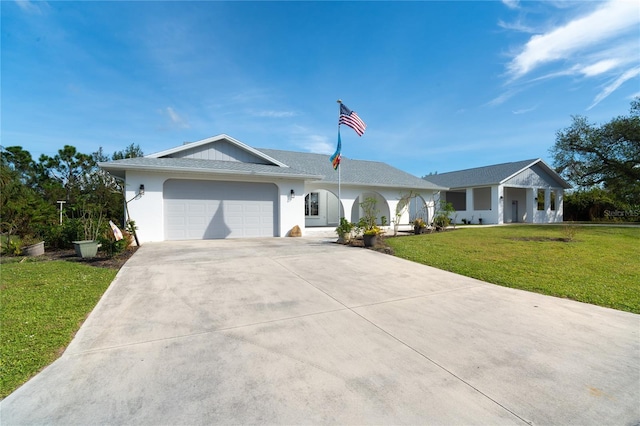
<point>220,187</point>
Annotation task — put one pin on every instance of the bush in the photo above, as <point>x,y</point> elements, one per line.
<point>591,205</point>
<point>110,246</point>
<point>62,236</point>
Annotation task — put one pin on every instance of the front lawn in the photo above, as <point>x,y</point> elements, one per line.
<point>591,264</point>
<point>42,304</point>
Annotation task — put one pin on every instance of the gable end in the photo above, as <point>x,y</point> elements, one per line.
<point>534,176</point>
<point>220,150</point>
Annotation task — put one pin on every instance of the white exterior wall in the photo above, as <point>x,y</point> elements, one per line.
<point>387,200</point>
<point>148,210</point>
<point>491,215</point>
<point>291,209</point>
<point>502,208</point>
<point>547,215</point>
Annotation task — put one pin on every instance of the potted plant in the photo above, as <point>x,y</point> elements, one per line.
<point>32,246</point>
<point>419,226</point>
<point>92,222</point>
<point>344,230</point>
<point>370,236</point>
<point>367,222</point>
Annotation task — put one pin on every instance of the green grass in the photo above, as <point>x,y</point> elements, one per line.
<point>42,305</point>
<point>600,265</point>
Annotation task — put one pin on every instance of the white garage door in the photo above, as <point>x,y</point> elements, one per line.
<point>197,209</point>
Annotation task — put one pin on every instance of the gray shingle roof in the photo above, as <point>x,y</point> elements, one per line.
<point>488,175</point>
<point>299,165</point>
<point>356,172</point>
<point>204,166</point>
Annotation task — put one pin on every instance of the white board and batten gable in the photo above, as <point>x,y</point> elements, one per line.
<point>218,148</point>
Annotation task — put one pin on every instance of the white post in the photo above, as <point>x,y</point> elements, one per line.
<point>61,202</point>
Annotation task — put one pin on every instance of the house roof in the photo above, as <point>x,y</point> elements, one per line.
<point>352,172</point>
<point>192,165</point>
<point>279,163</point>
<point>492,175</point>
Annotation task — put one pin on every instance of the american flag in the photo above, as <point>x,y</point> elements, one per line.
<point>351,119</point>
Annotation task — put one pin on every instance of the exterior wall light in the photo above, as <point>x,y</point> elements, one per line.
<point>293,194</point>
<point>141,191</point>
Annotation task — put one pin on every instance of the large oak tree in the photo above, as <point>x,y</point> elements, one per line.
<point>605,156</point>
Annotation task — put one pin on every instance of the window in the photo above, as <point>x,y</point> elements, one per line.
<point>552,200</point>
<point>311,204</point>
<point>457,199</point>
<point>482,198</point>
<point>540,199</point>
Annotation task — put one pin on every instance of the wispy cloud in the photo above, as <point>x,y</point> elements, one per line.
<point>310,141</point>
<point>175,119</point>
<point>601,44</point>
<point>319,144</point>
<point>502,98</point>
<point>32,7</point>
<point>273,114</point>
<point>525,110</point>
<point>511,4</point>
<point>610,88</point>
<point>518,26</point>
<point>599,67</point>
<point>588,32</point>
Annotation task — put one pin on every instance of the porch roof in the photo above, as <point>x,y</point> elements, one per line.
<point>493,175</point>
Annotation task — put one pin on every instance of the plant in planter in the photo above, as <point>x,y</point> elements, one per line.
<point>32,246</point>
<point>367,222</point>
<point>92,223</point>
<point>419,226</point>
<point>344,230</point>
<point>370,236</point>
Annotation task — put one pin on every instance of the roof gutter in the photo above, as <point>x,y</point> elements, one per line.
<point>156,169</point>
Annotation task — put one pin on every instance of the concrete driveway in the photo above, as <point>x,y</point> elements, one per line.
<point>301,331</point>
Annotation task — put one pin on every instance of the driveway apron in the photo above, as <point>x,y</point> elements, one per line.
<point>303,331</point>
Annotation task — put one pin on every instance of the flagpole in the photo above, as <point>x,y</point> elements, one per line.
<point>339,168</point>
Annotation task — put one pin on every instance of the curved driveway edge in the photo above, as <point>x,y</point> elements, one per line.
<point>302,331</point>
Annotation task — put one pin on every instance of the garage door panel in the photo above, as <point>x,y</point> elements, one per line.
<point>213,209</point>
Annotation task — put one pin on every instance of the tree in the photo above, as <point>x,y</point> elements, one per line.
<point>606,156</point>
<point>70,169</point>
<point>132,151</point>
<point>20,161</point>
<point>22,208</point>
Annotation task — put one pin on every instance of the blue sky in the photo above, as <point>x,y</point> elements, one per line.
<point>441,85</point>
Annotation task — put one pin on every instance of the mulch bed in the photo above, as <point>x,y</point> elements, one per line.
<point>101,260</point>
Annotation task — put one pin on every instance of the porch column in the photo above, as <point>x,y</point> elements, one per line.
<point>531,205</point>
<point>347,205</point>
<point>393,205</point>
<point>469,201</point>
<point>500,199</point>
